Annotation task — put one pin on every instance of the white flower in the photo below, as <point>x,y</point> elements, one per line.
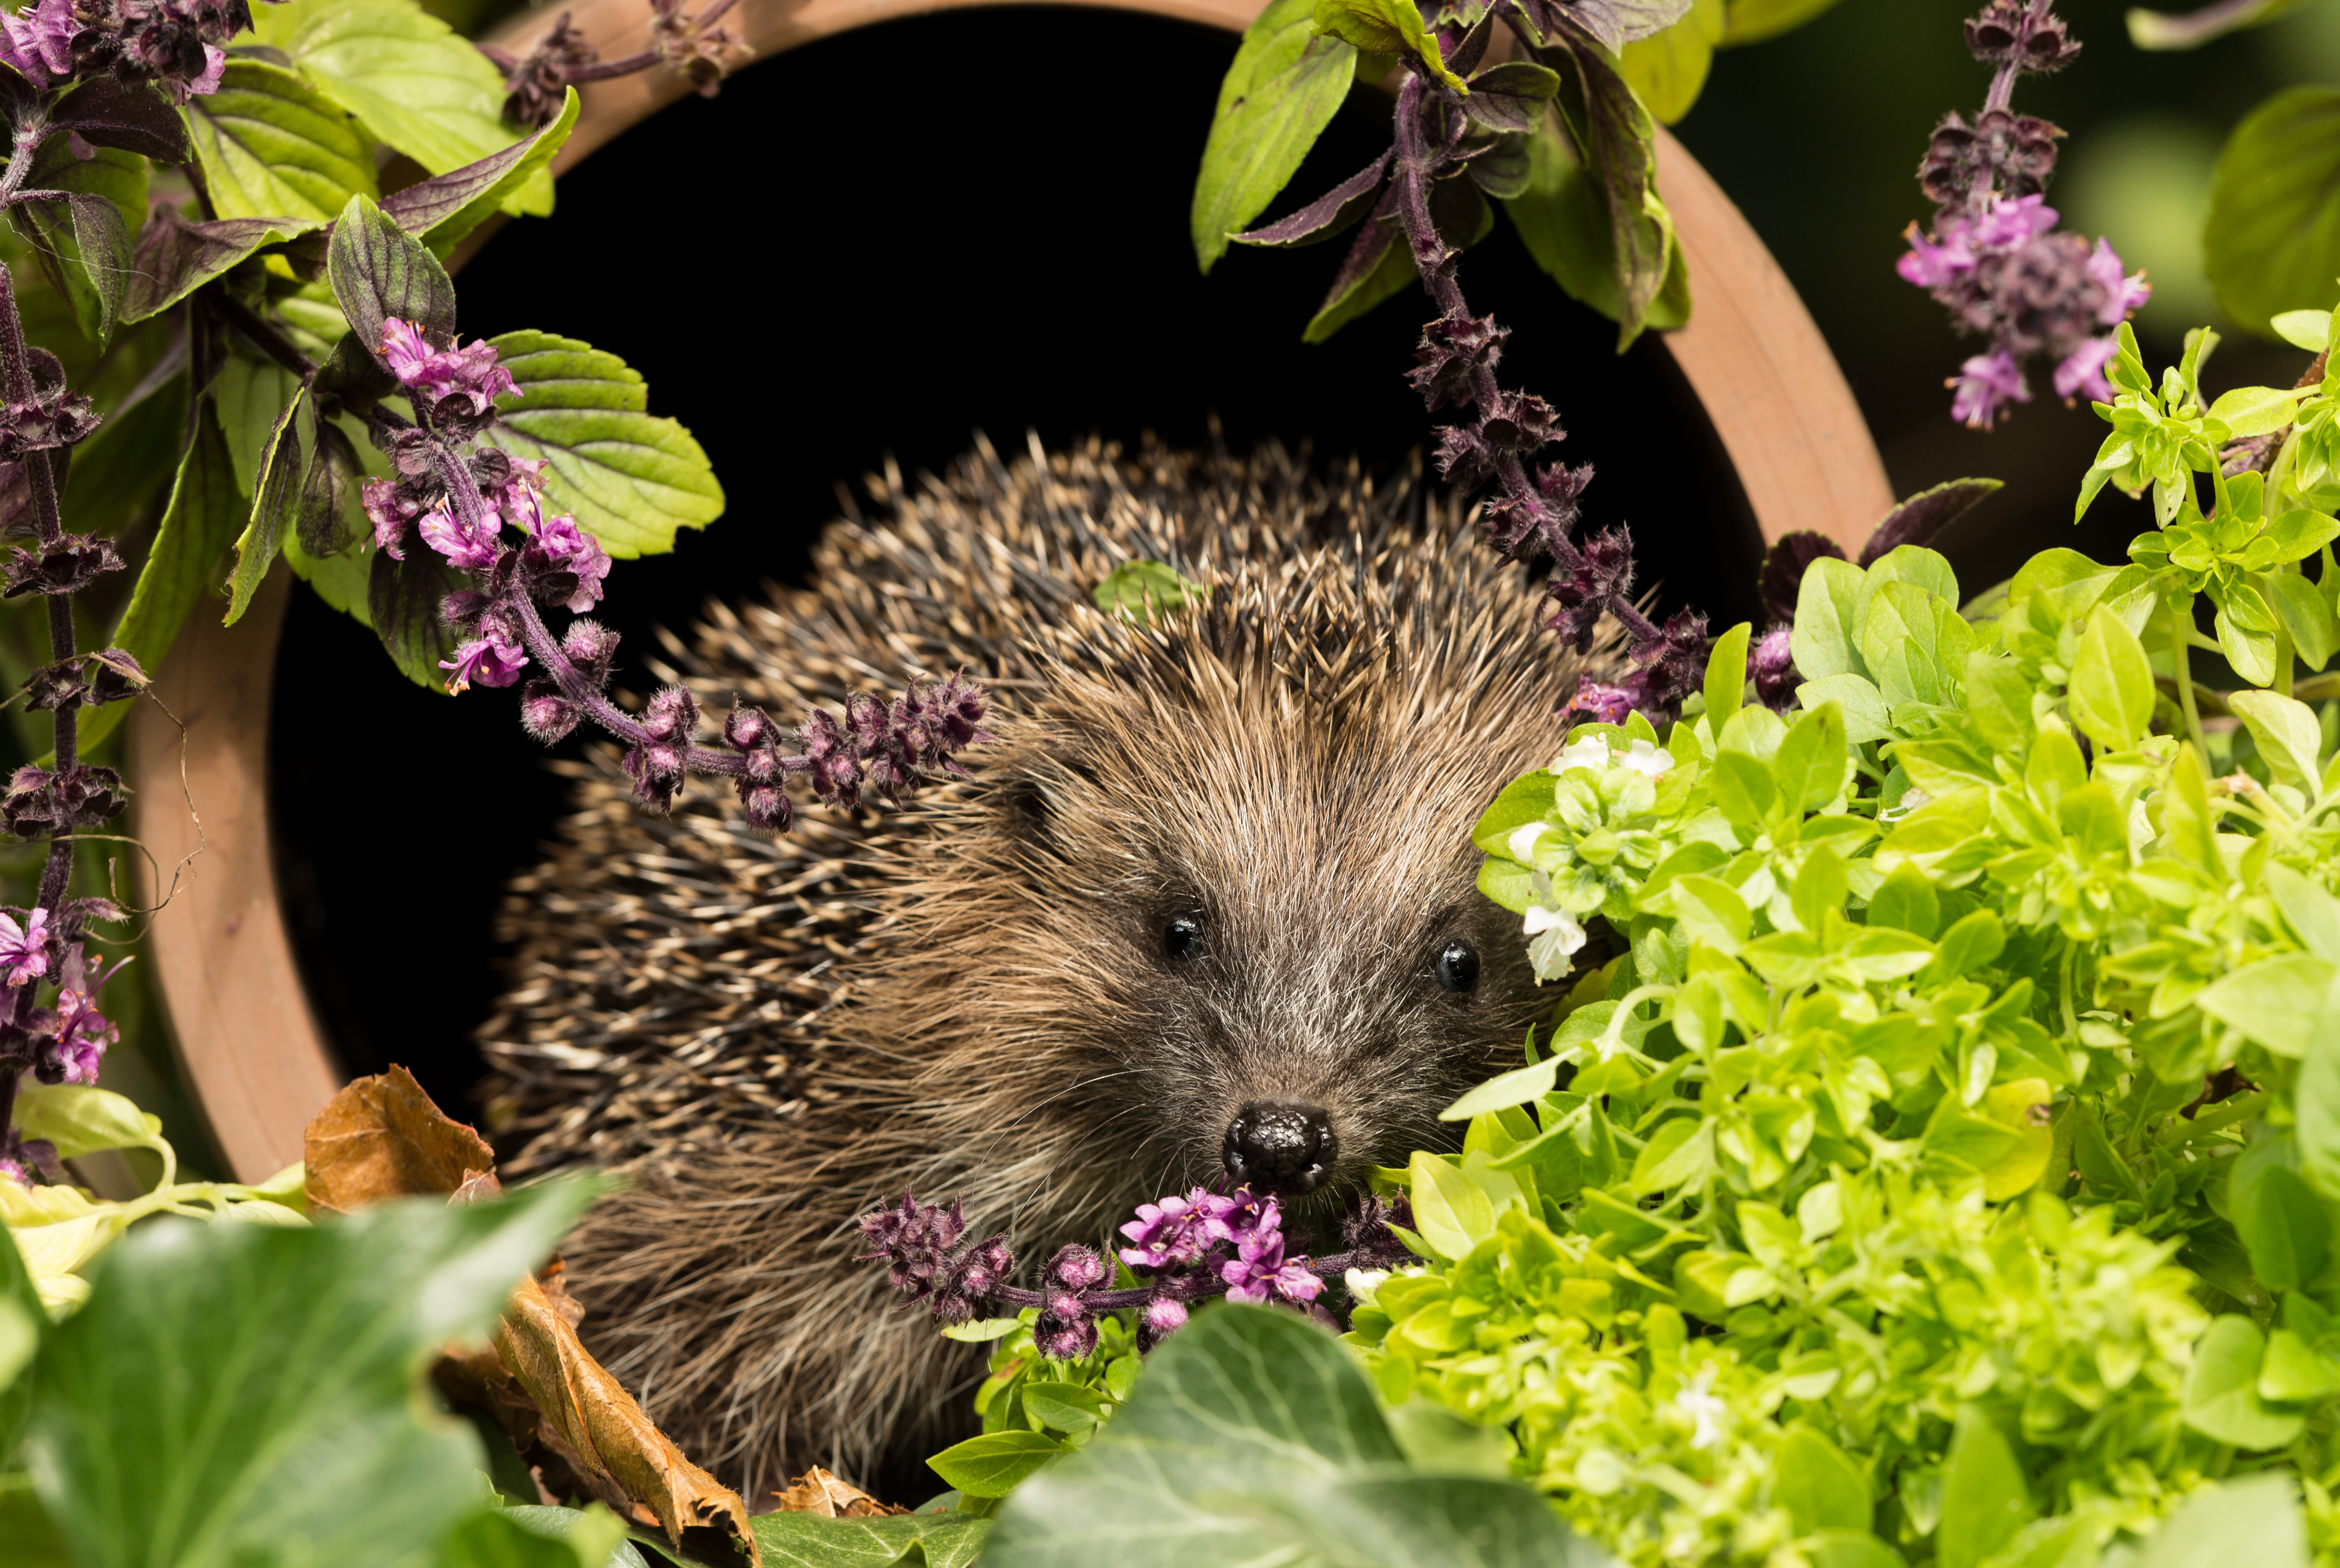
<point>1554,939</point>
<point>1911,799</point>
<point>1364,1282</point>
<point>1644,758</point>
<point>1523,842</point>
<point>1707,1414</point>
<point>1592,754</point>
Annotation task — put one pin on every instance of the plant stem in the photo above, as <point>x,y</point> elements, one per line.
<point>2182,667</point>
<point>547,651</point>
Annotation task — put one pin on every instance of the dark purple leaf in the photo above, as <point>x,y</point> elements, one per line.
<point>1503,169</point>
<point>378,271</point>
<point>1473,47</point>
<point>1783,570</point>
<point>176,257</point>
<point>323,523</point>
<point>1617,22</point>
<point>1332,213</point>
<point>1503,112</point>
<point>107,112</point>
<point>402,599</point>
<point>1517,79</point>
<point>1618,137</point>
<point>1919,519</point>
<point>445,207</point>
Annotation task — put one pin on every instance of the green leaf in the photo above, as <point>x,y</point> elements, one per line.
<point>2256,1520</point>
<point>34,1541</point>
<point>2306,614</point>
<point>1752,21</point>
<point>2257,410</point>
<point>82,240</point>
<point>1067,1407</point>
<point>205,512</point>
<point>631,479</point>
<point>2222,1398</point>
<point>2314,914</point>
<point>1389,276</point>
<point>276,496</point>
<point>271,145</point>
<point>1726,675</point>
<point>442,209</point>
<point>1137,588</point>
<point>402,600</point>
<point>2192,29</point>
<point>2112,690</point>
<point>1285,87</point>
<point>2272,240</point>
<point>1819,1486</point>
<point>1667,70</point>
<point>176,257</point>
<point>2282,1222</point>
<point>1984,1499</point>
<point>537,1537</point>
<point>1822,639</point>
<point>808,1541</point>
<point>1810,766</point>
<point>378,271</point>
<point>1617,141</point>
<point>2308,329</point>
<point>2287,733</point>
<point>1857,702</point>
<point>2283,1003</point>
<point>2317,1117</point>
<point>992,1464</point>
<point>227,1388</point>
<point>1563,220</point>
<point>411,80</point>
<point>1385,27</point>
<point>1520,1086</point>
<point>81,1119</point>
<point>1255,1437</point>
<point>1451,1212</point>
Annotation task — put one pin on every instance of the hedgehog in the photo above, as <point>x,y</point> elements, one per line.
<point>1205,902</point>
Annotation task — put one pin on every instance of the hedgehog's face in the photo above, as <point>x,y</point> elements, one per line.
<point>1254,944</point>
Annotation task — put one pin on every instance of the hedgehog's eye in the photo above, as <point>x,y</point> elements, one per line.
<point>1184,939</point>
<point>1458,967</point>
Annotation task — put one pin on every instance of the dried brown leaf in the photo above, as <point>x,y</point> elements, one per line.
<point>597,1425</point>
<point>832,1497</point>
<point>382,1137</point>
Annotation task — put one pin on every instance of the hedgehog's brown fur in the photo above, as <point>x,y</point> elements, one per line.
<point>968,996</point>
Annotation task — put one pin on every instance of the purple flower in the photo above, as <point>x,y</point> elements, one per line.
<point>15,1171</point>
<point>545,713</point>
<point>1258,1271</point>
<point>485,660</point>
<point>39,41</point>
<point>470,373</point>
<point>2124,293</point>
<point>1983,386</point>
<point>391,514</point>
<point>83,1035</point>
<point>561,547</point>
<point>2010,224</point>
<point>2083,370</point>
<point>1177,1231</point>
<point>1600,704</point>
<point>1771,666</point>
<point>473,548</point>
<point>25,949</point>
<point>1929,265</point>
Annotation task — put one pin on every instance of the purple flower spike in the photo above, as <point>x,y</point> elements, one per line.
<point>561,549</point>
<point>1177,1231</point>
<point>2083,370</point>
<point>1983,386</point>
<point>391,514</point>
<point>1066,1331</point>
<point>2124,291</point>
<point>1597,704</point>
<point>25,949</point>
<point>469,549</point>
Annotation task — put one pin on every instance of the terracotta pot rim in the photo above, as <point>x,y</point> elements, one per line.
<point>246,1037</point>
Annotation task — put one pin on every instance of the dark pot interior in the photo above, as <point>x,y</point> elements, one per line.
<point>935,257</point>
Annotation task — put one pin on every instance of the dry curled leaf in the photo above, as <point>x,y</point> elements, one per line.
<point>832,1497</point>
<point>381,1138</point>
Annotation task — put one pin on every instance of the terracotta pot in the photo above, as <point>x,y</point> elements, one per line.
<point>247,1038</point>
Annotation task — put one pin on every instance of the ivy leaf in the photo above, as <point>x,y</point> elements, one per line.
<point>1285,87</point>
<point>1256,1437</point>
<point>205,513</point>
<point>631,479</point>
<point>378,271</point>
<point>2222,1398</point>
<point>271,145</point>
<point>810,1541</point>
<point>411,80</point>
<point>2272,240</point>
<point>229,1388</point>
<point>442,209</point>
<point>176,257</point>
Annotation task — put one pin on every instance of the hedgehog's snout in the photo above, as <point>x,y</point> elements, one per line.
<point>1281,1146</point>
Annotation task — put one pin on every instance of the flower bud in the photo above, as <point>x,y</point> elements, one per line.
<point>545,713</point>
<point>672,716</point>
<point>1076,1268</point>
<point>590,646</point>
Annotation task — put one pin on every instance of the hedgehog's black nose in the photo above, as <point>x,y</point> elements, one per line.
<point>1281,1146</point>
